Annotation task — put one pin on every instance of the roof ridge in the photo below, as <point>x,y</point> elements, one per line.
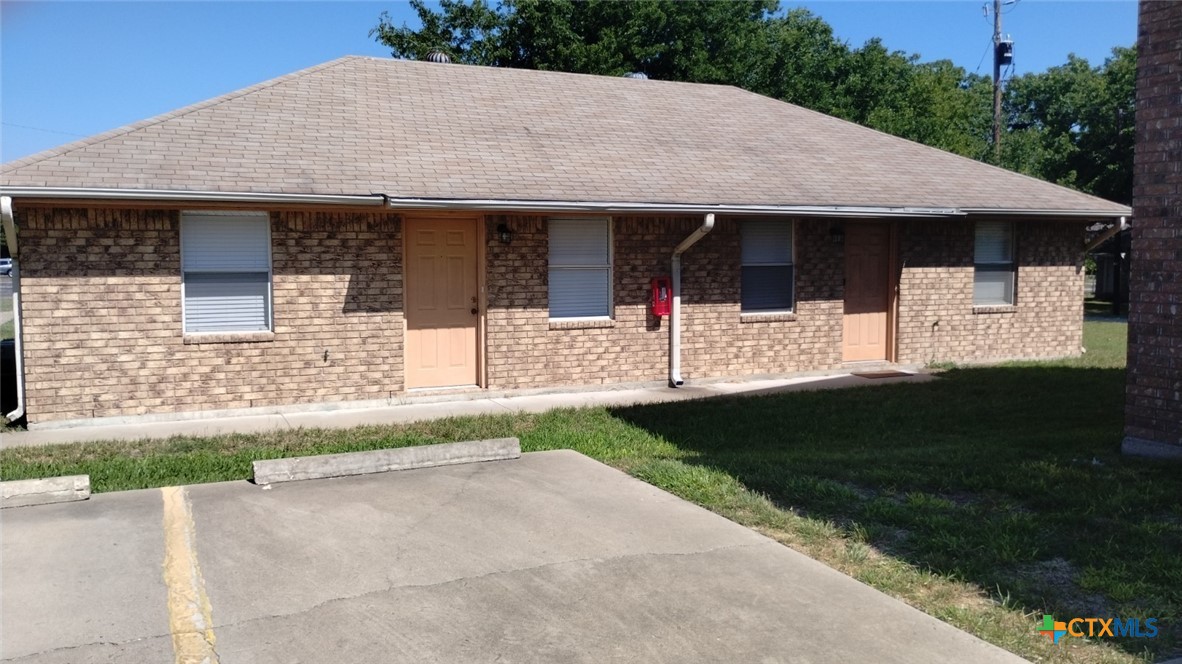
<point>931,147</point>
<point>554,72</point>
<point>169,115</point>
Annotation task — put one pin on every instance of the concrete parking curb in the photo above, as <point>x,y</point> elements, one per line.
<point>26,493</point>
<point>272,471</point>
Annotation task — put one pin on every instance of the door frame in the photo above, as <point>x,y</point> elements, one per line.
<point>894,270</point>
<point>481,239</point>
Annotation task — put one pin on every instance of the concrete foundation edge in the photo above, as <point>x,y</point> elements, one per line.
<point>430,397</point>
<point>27,493</point>
<point>272,471</point>
<point>1142,447</point>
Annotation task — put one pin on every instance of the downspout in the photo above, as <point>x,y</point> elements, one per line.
<point>675,311</point>
<point>11,240</point>
<point>1101,238</point>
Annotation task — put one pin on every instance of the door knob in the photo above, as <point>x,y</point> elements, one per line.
<point>475,311</point>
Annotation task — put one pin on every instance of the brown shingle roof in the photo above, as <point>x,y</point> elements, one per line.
<point>362,125</point>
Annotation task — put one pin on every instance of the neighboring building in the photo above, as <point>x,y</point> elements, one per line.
<point>1153,411</point>
<point>1112,259</point>
<point>369,227</point>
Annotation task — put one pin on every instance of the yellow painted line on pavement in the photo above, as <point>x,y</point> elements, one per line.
<point>190,616</point>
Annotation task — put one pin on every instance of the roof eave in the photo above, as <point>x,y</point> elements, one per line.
<point>183,196</point>
<point>510,205</point>
<point>621,207</point>
<point>1051,213</point>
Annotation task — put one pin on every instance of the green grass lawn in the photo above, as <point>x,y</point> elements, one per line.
<point>985,498</point>
<point>7,329</point>
<point>1103,307</point>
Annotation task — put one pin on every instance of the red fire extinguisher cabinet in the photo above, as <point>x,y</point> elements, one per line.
<point>662,296</point>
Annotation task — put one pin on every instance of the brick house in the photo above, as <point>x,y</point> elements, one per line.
<point>368,228</point>
<point>1153,410</point>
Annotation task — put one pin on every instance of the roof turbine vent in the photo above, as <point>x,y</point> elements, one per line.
<point>638,75</point>
<point>436,55</point>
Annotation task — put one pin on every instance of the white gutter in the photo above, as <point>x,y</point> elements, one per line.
<point>189,196</point>
<point>732,209</point>
<point>1019,212</point>
<point>865,211</point>
<point>675,379</point>
<point>1101,238</point>
<point>10,239</point>
<point>615,207</point>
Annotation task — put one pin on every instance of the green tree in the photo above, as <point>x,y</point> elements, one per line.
<point>1074,125</point>
<point>705,42</point>
<point>800,61</point>
<point>951,109</point>
<point>469,32</point>
<point>935,103</point>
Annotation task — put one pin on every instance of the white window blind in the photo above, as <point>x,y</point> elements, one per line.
<point>226,263</point>
<point>580,268</point>
<point>767,269</point>
<point>993,259</point>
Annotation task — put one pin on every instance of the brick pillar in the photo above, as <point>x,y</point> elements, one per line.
<point>1153,402</point>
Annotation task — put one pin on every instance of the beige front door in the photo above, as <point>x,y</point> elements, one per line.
<point>867,292</point>
<point>441,302</point>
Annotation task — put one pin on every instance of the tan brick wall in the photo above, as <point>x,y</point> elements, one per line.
<point>718,341</point>
<point>102,293</point>
<point>524,351</point>
<point>937,320</point>
<point>102,316</point>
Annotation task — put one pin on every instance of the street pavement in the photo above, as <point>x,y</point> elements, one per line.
<point>549,558</point>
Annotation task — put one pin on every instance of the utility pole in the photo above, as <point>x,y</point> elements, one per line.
<point>997,80</point>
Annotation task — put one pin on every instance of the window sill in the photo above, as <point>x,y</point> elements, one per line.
<point>769,317</point>
<point>581,323</point>
<point>995,309</point>
<point>228,337</point>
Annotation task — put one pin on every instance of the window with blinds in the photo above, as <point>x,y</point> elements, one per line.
<point>580,268</point>
<point>993,263</point>
<point>767,266</point>
<point>226,268</point>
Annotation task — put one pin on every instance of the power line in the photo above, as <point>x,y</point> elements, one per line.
<point>988,45</point>
<point>48,131</point>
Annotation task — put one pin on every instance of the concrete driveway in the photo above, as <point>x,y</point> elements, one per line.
<point>549,558</point>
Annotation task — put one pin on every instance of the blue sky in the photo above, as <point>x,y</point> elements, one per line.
<point>72,69</point>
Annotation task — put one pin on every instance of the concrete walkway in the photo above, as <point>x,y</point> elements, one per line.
<point>552,557</point>
<point>425,408</point>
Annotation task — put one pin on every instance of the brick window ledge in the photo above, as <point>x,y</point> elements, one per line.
<point>786,316</point>
<point>228,337</point>
<point>588,324</point>
<point>996,309</point>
